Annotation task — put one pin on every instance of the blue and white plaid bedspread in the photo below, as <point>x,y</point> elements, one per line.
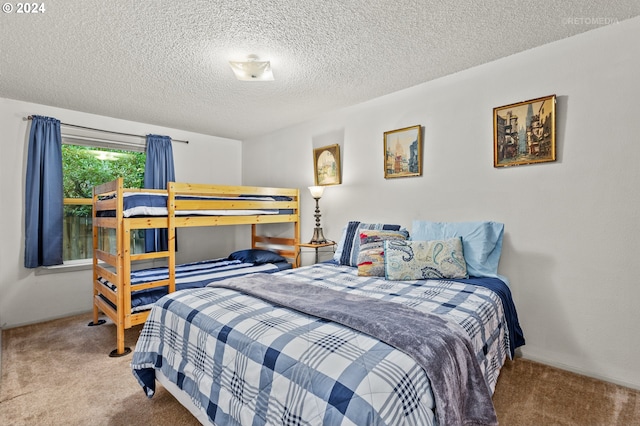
<point>244,361</point>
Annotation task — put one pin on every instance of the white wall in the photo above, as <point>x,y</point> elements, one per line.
<point>572,226</point>
<point>28,295</point>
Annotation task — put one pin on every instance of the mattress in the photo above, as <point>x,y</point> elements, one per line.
<point>189,275</point>
<point>242,360</point>
<point>141,204</point>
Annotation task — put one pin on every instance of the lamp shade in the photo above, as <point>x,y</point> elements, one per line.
<point>316,191</point>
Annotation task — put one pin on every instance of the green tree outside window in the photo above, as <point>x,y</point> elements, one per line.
<point>83,167</point>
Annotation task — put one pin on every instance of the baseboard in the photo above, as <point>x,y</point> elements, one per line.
<point>574,370</point>
<point>47,319</point>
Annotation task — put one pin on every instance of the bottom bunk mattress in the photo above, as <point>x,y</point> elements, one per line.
<point>190,275</point>
<point>349,350</point>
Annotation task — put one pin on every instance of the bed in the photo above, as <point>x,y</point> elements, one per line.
<point>323,344</point>
<point>118,213</point>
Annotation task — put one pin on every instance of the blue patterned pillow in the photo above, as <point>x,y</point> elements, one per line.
<point>349,244</point>
<point>371,251</point>
<point>419,260</point>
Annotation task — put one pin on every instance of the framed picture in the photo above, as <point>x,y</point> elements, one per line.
<point>326,165</point>
<point>525,132</point>
<point>403,152</point>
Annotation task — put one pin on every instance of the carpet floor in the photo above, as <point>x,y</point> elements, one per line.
<point>59,373</point>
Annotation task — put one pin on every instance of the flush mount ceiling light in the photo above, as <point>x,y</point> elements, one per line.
<point>252,69</point>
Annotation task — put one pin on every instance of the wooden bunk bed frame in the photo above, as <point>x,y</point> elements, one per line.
<point>116,265</point>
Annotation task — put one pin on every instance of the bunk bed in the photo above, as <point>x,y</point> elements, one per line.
<point>119,211</point>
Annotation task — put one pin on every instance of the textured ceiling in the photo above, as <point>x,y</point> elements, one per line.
<point>166,62</point>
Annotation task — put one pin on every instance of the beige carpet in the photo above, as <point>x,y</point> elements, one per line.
<point>59,373</point>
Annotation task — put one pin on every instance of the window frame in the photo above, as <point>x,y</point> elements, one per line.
<point>95,139</point>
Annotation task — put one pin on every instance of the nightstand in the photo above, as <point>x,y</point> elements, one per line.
<point>316,247</point>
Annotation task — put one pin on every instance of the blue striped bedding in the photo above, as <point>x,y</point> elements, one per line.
<point>190,275</point>
<point>138,204</point>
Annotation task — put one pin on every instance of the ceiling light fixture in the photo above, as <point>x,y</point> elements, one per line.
<point>252,69</point>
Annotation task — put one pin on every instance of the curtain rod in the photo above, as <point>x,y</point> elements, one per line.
<point>108,131</point>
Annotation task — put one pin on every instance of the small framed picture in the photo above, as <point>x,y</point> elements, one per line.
<point>403,152</point>
<point>525,132</point>
<point>326,165</point>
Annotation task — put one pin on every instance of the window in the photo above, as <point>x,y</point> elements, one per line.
<point>86,163</point>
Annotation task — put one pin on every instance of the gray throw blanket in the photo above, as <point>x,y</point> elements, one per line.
<point>441,347</point>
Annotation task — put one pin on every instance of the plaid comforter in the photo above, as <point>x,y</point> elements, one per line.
<point>245,361</point>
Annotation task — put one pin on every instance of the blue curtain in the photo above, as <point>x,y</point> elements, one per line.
<point>158,170</point>
<point>44,207</point>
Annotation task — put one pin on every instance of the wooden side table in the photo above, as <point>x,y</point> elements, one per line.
<point>316,247</point>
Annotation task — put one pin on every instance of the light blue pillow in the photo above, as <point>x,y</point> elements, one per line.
<point>423,260</point>
<point>340,247</point>
<point>481,241</point>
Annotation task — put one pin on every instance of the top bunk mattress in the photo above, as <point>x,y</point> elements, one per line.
<point>142,204</point>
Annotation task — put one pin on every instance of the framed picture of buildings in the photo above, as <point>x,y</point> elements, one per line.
<point>525,132</point>
<point>326,165</point>
<point>403,152</point>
